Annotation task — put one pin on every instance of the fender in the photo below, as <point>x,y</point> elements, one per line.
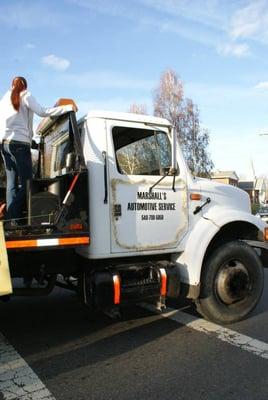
<point>222,217</point>
<point>190,261</point>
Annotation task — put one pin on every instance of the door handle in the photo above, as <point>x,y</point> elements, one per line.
<point>104,156</point>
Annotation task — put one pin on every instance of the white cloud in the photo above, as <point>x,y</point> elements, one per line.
<point>113,8</point>
<point>262,85</point>
<point>205,12</point>
<point>251,21</point>
<point>28,15</point>
<point>202,21</point>
<point>180,18</point>
<point>234,49</point>
<point>23,16</point>
<point>55,62</point>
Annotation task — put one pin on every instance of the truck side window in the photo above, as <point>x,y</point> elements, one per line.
<point>56,147</point>
<point>62,149</point>
<point>141,151</point>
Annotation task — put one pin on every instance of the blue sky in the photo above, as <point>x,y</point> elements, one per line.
<point>107,54</point>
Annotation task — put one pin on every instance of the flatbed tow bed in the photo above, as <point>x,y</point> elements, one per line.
<point>41,253</point>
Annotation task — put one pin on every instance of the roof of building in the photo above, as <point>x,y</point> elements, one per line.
<point>224,174</point>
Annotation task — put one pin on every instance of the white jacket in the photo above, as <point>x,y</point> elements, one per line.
<point>18,125</point>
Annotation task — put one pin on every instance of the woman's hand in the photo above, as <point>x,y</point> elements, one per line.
<point>2,210</point>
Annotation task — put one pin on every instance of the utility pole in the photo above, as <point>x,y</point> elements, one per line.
<point>265,133</point>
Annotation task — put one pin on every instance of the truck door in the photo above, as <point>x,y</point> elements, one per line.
<point>143,219</point>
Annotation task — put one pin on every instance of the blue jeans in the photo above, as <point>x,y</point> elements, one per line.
<point>18,165</point>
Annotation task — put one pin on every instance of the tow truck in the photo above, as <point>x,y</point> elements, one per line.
<point>114,214</point>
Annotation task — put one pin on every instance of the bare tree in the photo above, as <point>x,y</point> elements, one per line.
<point>139,157</point>
<point>197,141</point>
<point>138,108</point>
<point>128,160</point>
<point>170,103</point>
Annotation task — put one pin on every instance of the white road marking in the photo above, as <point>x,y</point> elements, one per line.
<point>17,379</point>
<point>234,338</point>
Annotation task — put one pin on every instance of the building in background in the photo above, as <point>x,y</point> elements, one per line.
<point>257,188</point>
<point>249,187</point>
<point>227,177</point>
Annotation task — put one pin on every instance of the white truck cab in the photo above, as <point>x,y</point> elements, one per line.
<point>140,226</point>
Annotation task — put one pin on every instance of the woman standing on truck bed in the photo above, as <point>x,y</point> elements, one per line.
<point>16,130</point>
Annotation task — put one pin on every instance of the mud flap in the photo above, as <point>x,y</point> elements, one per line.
<point>5,279</point>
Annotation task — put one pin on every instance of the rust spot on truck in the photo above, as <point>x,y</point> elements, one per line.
<point>180,185</point>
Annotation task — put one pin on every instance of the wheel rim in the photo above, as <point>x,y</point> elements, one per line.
<point>233,282</point>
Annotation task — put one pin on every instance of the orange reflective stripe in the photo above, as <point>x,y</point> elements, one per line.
<point>116,289</point>
<point>12,244</point>
<point>18,244</point>
<point>163,289</point>
<point>74,240</point>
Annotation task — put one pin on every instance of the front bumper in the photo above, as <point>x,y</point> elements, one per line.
<point>262,249</point>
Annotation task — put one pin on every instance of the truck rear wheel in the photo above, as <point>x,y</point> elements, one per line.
<point>231,283</point>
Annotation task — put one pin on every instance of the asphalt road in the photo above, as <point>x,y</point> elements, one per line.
<point>140,356</point>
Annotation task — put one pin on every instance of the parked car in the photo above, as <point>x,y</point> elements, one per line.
<point>263,213</point>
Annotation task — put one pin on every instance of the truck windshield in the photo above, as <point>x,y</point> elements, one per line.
<point>141,151</point>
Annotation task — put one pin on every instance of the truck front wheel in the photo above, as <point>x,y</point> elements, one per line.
<point>231,283</point>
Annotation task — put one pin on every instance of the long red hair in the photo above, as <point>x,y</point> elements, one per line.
<point>18,85</point>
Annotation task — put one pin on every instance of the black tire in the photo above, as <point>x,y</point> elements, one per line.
<point>231,283</point>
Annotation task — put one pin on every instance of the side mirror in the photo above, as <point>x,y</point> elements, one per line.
<point>173,150</point>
